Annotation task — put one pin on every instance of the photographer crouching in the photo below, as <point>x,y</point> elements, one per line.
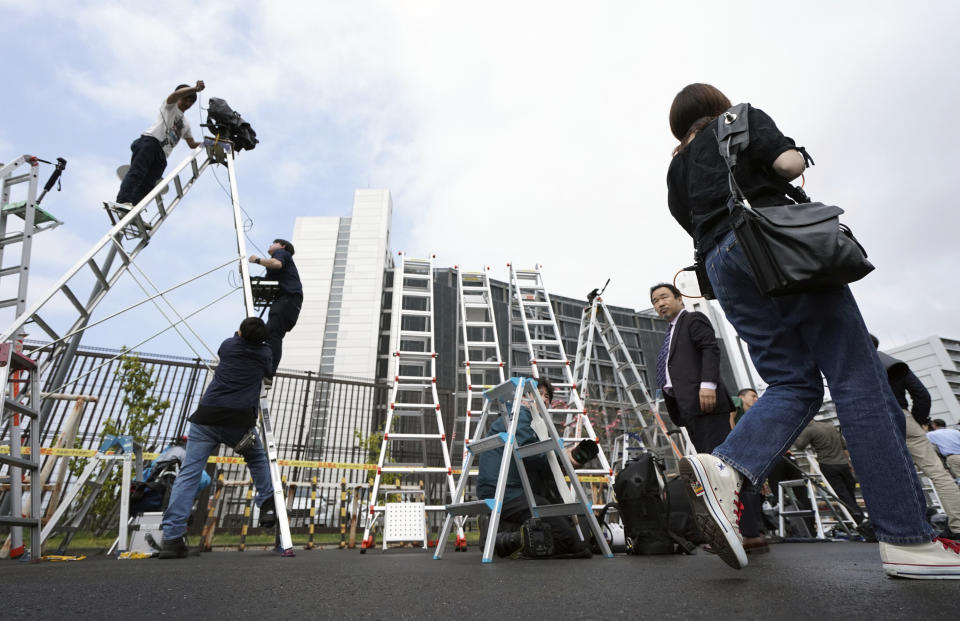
<point>227,414</point>
<point>519,535</point>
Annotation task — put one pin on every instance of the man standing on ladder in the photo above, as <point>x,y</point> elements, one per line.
<point>285,309</point>
<point>153,147</point>
<point>227,414</point>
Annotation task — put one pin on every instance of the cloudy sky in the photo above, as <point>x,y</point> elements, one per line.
<point>505,131</point>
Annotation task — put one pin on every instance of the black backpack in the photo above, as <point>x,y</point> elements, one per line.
<point>643,502</point>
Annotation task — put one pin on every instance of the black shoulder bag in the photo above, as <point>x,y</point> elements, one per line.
<point>791,248</point>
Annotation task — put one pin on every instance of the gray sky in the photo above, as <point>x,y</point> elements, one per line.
<point>505,131</point>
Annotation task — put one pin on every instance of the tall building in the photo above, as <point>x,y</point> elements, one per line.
<point>342,261</point>
<point>936,362</point>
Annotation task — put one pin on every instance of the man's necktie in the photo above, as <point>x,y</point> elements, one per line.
<point>662,359</point>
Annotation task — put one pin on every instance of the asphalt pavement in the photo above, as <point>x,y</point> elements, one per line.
<point>837,580</point>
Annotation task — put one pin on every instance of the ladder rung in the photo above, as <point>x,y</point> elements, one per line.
<point>19,521</point>
<point>411,387</point>
<point>799,513</point>
<point>481,344</point>
<point>551,362</point>
<point>533,303</point>
<point>8,303</point>
<point>416,275</point>
<point>414,469</point>
<point>416,333</point>
<point>488,444</point>
<point>10,270</point>
<point>572,508</point>
<point>475,507</point>
<point>412,436</point>
<point>415,294</point>
<point>415,313</point>
<point>536,448</point>
<point>17,462</point>
<point>539,322</point>
<point>414,378</point>
<point>581,471</point>
<point>565,410</point>
<point>19,408</point>
<point>415,354</point>
<point>483,364</point>
<point>414,406</point>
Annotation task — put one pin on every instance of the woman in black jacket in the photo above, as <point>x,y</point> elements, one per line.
<point>793,339</point>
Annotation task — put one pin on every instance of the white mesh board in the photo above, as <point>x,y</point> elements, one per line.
<point>404,521</point>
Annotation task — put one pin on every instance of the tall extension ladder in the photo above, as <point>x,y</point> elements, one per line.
<point>35,220</point>
<point>413,395</point>
<point>597,322</point>
<point>531,310</point>
<point>507,398</point>
<point>481,366</point>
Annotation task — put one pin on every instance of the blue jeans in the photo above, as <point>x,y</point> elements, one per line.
<point>792,340</point>
<point>147,164</point>
<point>203,441</point>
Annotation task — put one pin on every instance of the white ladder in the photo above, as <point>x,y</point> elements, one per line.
<point>414,393</point>
<point>506,399</point>
<point>597,322</point>
<point>481,366</point>
<point>532,311</point>
<point>818,489</point>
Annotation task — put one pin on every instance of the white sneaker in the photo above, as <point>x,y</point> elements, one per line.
<point>937,560</point>
<point>714,491</point>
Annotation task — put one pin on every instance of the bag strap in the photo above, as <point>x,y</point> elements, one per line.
<point>733,136</point>
<point>686,546</point>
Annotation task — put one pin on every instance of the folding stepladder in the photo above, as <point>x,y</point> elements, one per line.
<point>506,400</point>
<point>532,312</point>
<point>113,449</point>
<point>632,395</point>
<point>413,396</point>
<point>819,492</point>
<point>481,366</point>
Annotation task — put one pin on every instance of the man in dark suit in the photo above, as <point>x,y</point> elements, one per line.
<point>688,371</point>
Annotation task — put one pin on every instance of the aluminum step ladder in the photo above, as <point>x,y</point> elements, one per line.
<point>531,312</point>
<point>506,400</point>
<point>407,432</point>
<point>113,449</point>
<point>480,364</point>
<point>828,511</point>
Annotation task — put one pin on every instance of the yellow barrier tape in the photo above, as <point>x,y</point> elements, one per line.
<point>292,463</point>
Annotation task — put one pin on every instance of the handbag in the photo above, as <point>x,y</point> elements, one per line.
<point>791,248</point>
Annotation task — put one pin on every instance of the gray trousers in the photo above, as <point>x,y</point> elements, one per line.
<point>928,462</point>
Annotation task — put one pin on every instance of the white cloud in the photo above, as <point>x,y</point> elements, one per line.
<point>531,132</point>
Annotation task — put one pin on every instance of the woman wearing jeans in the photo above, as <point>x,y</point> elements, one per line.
<point>792,339</point>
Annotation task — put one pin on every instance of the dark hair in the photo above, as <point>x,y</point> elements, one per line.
<point>876,342</point>
<point>253,330</point>
<point>744,391</point>
<point>286,245</point>
<point>693,108</point>
<point>179,86</point>
<point>545,382</point>
<point>939,422</point>
<point>676,292</point>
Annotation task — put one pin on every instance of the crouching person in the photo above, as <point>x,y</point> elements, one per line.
<point>227,414</point>
<point>515,515</point>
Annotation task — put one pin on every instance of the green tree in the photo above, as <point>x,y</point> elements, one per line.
<point>140,411</point>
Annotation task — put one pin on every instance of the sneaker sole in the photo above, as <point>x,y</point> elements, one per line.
<point>709,516</point>
<point>921,572</point>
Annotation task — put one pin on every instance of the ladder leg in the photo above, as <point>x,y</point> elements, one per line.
<point>279,501</point>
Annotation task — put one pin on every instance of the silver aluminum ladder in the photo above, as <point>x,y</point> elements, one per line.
<point>15,365</point>
<point>506,400</point>
<point>413,395</point>
<point>818,490</point>
<point>532,312</point>
<point>481,366</point>
<point>597,324</point>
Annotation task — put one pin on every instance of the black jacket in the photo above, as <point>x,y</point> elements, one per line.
<point>694,357</point>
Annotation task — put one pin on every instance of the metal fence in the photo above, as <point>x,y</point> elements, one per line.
<point>316,418</point>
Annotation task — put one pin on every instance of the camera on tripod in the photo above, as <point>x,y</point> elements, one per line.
<point>226,124</point>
